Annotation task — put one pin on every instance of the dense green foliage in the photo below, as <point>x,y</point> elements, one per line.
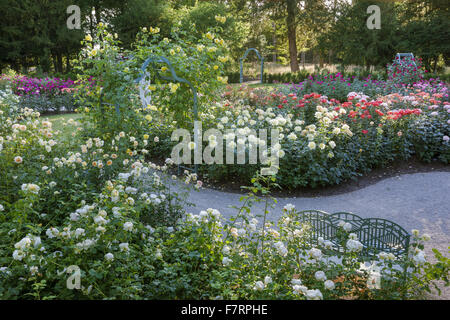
<point>34,33</point>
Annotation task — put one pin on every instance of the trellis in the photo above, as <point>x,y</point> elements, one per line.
<point>152,61</point>
<point>399,56</point>
<point>241,66</point>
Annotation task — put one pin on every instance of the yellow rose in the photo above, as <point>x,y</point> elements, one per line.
<point>224,80</point>
<point>154,30</point>
<point>88,38</point>
<point>223,59</point>
<point>216,67</point>
<point>221,19</point>
<point>148,118</point>
<point>173,87</point>
<point>146,136</point>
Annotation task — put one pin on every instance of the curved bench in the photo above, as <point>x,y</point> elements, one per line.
<point>376,234</point>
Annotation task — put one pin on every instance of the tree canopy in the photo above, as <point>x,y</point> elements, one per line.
<point>34,32</point>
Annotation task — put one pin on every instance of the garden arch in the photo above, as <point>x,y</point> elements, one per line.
<point>173,77</point>
<point>152,61</point>
<point>399,56</point>
<point>241,60</point>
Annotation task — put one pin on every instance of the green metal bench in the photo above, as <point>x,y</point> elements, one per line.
<point>376,234</point>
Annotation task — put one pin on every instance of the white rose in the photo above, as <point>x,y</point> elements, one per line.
<point>259,286</point>
<point>109,256</point>
<point>329,285</point>
<point>124,246</point>
<point>300,289</point>
<point>354,245</point>
<point>226,261</point>
<point>347,227</point>
<point>315,253</point>
<point>314,295</point>
<point>128,226</point>
<point>226,250</point>
<point>320,276</point>
<point>289,207</point>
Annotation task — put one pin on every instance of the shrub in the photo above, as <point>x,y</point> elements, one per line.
<point>322,141</point>
<point>407,70</point>
<point>430,137</point>
<point>202,257</point>
<point>45,95</point>
<point>115,90</point>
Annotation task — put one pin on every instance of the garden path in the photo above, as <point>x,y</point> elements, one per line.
<point>414,201</point>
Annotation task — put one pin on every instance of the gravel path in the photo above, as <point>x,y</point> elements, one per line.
<point>414,201</point>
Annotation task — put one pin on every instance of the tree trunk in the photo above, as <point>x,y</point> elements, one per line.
<point>68,66</point>
<point>274,57</point>
<point>55,63</point>
<point>97,15</point>
<point>24,64</point>
<point>59,62</point>
<point>291,26</point>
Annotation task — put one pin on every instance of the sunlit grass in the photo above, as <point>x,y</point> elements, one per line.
<point>59,123</point>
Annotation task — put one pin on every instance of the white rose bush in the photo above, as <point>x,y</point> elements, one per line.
<point>324,141</point>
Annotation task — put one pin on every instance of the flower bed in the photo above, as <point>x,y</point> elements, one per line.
<point>92,204</point>
<point>45,95</point>
<point>324,141</point>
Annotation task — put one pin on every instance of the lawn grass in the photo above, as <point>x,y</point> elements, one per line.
<point>258,85</point>
<point>59,123</point>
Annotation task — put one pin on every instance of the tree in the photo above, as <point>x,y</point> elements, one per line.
<point>132,15</point>
<point>291,7</point>
<point>426,31</point>
<point>34,32</point>
<point>354,43</point>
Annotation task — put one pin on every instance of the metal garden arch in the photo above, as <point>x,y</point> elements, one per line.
<point>241,60</point>
<point>173,77</point>
<point>399,56</point>
<point>152,61</point>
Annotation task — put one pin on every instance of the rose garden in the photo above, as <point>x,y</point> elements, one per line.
<point>90,190</point>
